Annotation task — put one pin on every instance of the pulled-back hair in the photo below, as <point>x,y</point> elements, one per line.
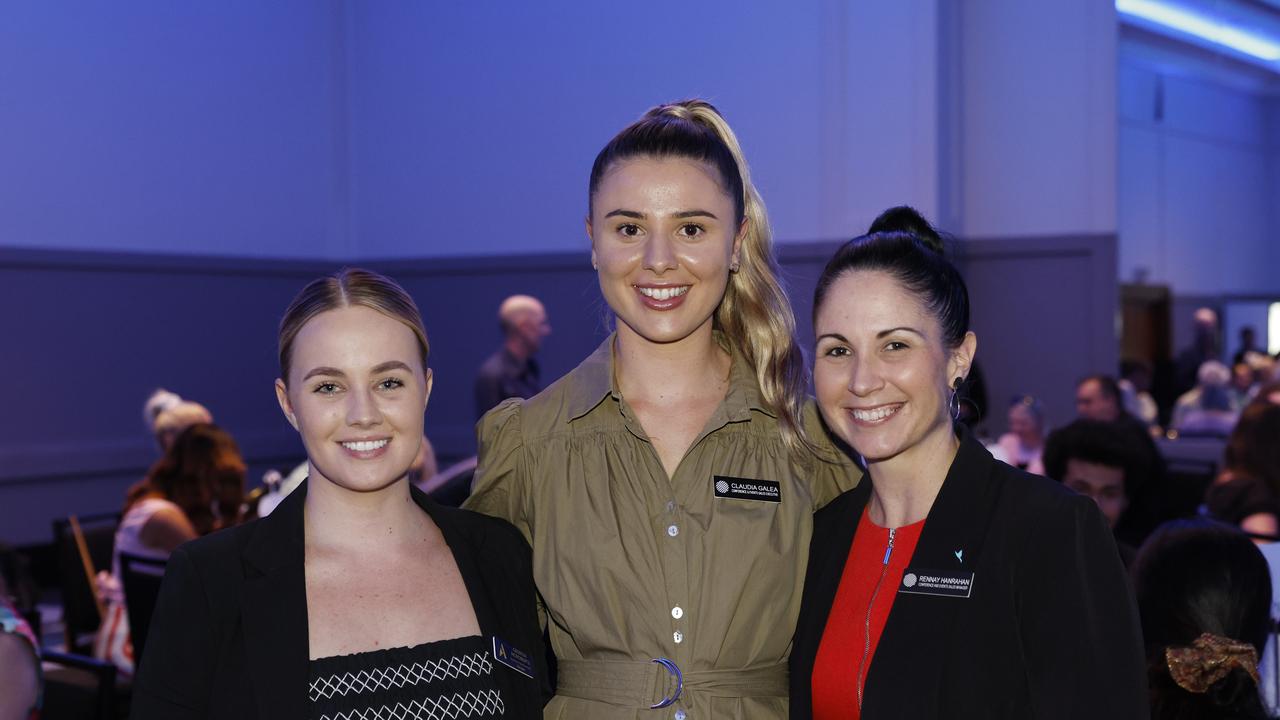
<point>1100,443</point>
<point>754,314</point>
<point>1193,577</point>
<point>901,243</point>
<point>202,473</point>
<point>349,287</point>
<point>1253,449</point>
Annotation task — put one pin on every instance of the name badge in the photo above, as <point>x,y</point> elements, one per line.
<point>512,657</point>
<point>942,583</point>
<point>733,488</point>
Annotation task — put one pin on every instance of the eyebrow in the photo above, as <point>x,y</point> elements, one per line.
<point>335,372</point>
<point>323,371</point>
<point>902,328</point>
<point>681,215</point>
<point>840,338</point>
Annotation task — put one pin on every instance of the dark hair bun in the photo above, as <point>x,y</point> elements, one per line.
<point>906,219</point>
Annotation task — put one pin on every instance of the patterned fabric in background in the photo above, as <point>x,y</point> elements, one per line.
<point>12,622</point>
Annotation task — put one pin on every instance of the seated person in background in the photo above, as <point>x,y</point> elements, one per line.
<point>19,662</point>
<point>512,371</point>
<point>1135,391</point>
<point>1098,397</point>
<point>1245,493</point>
<point>1093,459</point>
<point>196,488</point>
<point>1204,594</point>
<point>1206,409</point>
<point>1023,444</point>
<point>1243,385</point>
<point>167,414</point>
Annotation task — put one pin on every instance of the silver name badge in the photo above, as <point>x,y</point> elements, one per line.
<point>941,583</point>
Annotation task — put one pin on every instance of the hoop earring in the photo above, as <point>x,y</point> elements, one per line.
<point>953,405</point>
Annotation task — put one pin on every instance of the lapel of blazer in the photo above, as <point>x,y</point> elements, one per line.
<point>911,654</point>
<point>274,606</point>
<point>465,546</point>
<point>826,575</point>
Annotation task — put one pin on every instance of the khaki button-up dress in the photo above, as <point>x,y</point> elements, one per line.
<point>704,569</point>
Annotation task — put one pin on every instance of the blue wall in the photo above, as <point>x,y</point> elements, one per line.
<point>175,127</point>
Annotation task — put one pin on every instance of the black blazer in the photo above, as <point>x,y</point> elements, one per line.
<point>1050,629</point>
<point>229,635</point>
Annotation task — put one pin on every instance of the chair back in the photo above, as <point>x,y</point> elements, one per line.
<point>140,577</point>
<point>76,686</point>
<point>80,609</point>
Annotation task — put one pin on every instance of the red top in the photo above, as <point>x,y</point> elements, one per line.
<point>846,650</point>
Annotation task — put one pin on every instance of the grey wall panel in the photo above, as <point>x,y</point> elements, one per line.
<point>1044,310</point>
<point>88,335</point>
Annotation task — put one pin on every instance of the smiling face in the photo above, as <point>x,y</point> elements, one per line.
<point>882,372</point>
<point>356,393</point>
<point>663,236</point>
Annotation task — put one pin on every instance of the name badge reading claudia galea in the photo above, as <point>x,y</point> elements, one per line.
<point>743,489</point>
<point>513,658</point>
<point>942,583</point>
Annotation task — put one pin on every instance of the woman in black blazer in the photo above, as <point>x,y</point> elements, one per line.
<point>950,585</point>
<point>358,596</point>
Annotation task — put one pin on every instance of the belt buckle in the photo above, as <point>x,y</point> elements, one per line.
<point>674,669</point>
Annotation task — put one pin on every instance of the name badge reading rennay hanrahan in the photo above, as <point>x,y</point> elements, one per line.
<point>734,488</point>
<point>942,583</point>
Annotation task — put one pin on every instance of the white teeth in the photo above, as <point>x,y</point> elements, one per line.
<point>664,293</point>
<point>879,413</point>
<point>365,445</point>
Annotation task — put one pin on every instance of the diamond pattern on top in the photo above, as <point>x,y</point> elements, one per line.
<point>486,703</point>
<point>397,676</point>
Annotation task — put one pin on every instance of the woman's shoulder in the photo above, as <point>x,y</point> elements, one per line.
<point>485,530</point>
<point>1030,496</point>
<point>146,506</point>
<point>219,555</point>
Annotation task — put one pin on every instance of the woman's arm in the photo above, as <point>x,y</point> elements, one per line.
<point>1263,523</point>
<point>166,529</point>
<point>174,673</point>
<point>499,485</point>
<point>1081,638</point>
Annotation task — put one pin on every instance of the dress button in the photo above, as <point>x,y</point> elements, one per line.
<point>680,715</point>
<point>671,506</point>
<point>672,530</point>
<point>677,612</point>
<point>677,636</point>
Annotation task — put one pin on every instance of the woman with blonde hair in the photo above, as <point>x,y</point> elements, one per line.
<point>668,483</point>
<point>357,596</point>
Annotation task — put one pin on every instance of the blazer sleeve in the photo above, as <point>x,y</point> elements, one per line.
<point>173,676</point>
<point>1080,636</point>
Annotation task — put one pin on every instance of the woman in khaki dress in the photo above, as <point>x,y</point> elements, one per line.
<point>668,483</point>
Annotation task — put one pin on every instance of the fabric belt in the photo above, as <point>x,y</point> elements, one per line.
<point>642,683</point>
